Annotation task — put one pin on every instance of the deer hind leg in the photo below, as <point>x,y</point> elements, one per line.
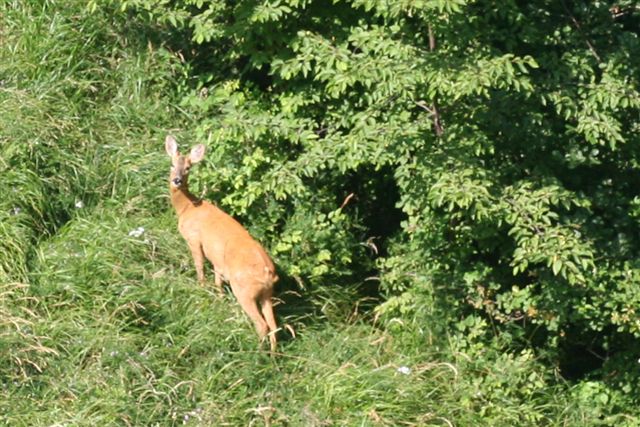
<point>198,259</point>
<point>267,312</point>
<point>250,306</point>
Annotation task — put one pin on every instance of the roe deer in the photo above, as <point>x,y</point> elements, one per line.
<point>236,256</point>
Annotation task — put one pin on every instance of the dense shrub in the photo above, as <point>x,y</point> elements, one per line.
<point>508,131</point>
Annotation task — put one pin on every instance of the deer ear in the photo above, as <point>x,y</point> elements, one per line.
<point>197,153</point>
<point>171,145</point>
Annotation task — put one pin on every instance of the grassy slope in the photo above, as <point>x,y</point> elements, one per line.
<point>101,327</point>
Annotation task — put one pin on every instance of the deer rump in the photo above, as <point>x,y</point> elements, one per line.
<point>236,257</point>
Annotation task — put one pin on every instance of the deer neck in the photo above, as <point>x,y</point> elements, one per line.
<point>182,199</point>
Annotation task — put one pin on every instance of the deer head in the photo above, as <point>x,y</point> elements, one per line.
<point>180,165</point>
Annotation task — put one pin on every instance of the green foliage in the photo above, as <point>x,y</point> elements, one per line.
<point>509,131</point>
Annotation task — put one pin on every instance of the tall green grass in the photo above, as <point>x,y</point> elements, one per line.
<point>101,319</point>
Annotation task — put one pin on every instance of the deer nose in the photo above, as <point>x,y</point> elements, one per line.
<point>177,181</point>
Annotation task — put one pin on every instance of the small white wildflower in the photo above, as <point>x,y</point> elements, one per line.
<point>79,204</point>
<point>137,232</point>
<point>113,353</point>
<point>405,370</point>
<point>186,417</point>
<point>16,210</point>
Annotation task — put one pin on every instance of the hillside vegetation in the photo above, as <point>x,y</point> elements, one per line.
<point>449,189</point>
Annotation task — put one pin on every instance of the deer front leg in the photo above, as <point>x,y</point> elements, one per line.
<point>198,260</point>
<point>219,289</point>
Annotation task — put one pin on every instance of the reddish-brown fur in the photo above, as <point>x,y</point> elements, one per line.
<point>235,255</point>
